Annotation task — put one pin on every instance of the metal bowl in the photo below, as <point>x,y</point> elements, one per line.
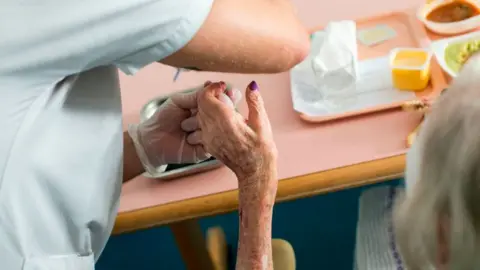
<point>173,171</point>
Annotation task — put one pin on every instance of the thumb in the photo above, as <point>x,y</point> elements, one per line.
<point>209,97</point>
<point>226,100</point>
<point>187,100</point>
<point>213,90</point>
<point>234,94</point>
<point>256,109</point>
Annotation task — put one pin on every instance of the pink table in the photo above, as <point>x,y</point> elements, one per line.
<point>313,158</point>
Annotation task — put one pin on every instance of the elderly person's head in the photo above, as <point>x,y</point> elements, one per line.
<point>438,221</point>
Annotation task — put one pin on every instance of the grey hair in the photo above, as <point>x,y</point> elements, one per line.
<point>444,193</point>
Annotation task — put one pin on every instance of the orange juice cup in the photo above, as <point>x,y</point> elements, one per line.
<point>410,68</point>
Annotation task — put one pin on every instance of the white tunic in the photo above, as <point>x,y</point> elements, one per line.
<point>60,116</point>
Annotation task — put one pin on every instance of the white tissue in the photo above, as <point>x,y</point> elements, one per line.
<point>370,80</point>
<point>334,58</point>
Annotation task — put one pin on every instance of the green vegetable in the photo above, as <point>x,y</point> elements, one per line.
<point>458,53</point>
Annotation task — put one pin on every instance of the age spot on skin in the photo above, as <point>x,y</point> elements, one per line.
<point>243,218</point>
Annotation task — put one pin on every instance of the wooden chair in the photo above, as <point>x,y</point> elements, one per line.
<point>283,253</point>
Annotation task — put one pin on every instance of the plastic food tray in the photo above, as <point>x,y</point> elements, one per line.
<point>410,32</point>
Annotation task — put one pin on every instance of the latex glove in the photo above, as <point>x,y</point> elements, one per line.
<point>160,140</point>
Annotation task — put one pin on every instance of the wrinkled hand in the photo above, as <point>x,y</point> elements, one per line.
<point>246,147</point>
<point>170,136</point>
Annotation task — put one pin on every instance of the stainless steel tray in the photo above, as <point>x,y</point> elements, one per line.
<point>188,169</point>
<point>180,170</point>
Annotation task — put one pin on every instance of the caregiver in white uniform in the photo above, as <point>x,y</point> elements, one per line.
<point>61,133</point>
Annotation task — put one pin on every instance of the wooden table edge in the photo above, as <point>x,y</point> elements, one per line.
<point>288,189</point>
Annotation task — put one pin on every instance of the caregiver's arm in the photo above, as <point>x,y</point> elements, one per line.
<point>248,36</point>
<point>132,166</point>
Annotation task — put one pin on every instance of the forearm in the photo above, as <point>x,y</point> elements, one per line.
<point>132,166</point>
<point>255,239</point>
<point>248,36</point>
<point>255,235</point>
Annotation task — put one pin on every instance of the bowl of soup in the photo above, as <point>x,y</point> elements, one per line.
<point>450,17</point>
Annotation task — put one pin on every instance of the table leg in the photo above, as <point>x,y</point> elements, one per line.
<point>192,245</point>
<point>217,247</point>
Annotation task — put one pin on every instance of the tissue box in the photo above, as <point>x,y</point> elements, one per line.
<point>338,40</point>
<point>334,60</point>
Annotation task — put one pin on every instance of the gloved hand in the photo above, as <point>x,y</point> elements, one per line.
<point>172,135</point>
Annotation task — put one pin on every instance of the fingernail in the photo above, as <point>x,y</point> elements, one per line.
<point>253,86</point>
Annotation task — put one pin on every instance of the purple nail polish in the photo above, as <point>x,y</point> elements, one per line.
<point>253,86</point>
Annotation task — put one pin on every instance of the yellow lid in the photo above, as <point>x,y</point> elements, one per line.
<point>410,58</point>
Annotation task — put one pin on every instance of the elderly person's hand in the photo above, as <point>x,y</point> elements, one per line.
<point>245,146</point>
<point>167,138</point>
<point>248,149</point>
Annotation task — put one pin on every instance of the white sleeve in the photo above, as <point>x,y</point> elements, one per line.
<point>60,38</point>
<point>158,29</point>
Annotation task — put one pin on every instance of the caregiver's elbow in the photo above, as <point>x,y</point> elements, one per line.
<point>272,53</point>
<point>248,36</point>
<point>293,50</point>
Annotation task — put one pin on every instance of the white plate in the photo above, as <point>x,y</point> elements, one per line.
<point>439,47</point>
<point>447,28</point>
